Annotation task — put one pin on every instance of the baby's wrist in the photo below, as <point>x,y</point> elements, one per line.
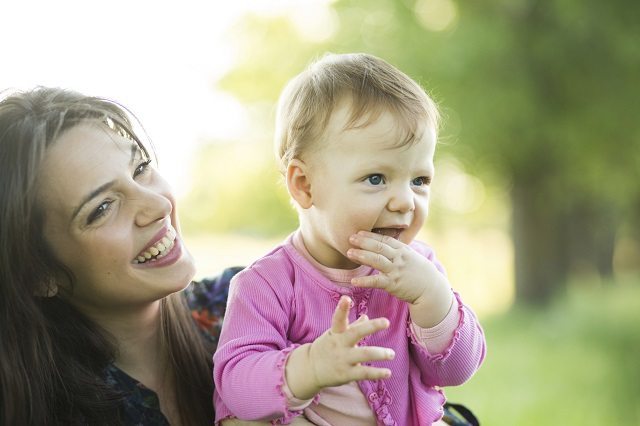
<point>301,384</point>
<point>430,308</point>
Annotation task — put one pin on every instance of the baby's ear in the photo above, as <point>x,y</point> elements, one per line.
<point>298,183</point>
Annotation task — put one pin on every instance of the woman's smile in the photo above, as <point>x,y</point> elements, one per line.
<point>163,248</point>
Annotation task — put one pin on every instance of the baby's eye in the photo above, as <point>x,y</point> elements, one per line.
<point>421,181</point>
<point>376,179</point>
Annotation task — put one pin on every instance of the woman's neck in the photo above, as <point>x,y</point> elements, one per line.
<point>143,355</point>
<point>140,352</point>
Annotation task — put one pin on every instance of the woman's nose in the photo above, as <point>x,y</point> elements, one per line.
<point>151,207</point>
<point>402,200</point>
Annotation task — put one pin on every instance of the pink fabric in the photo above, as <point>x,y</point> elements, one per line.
<point>331,407</point>
<point>341,405</point>
<point>437,338</point>
<point>281,301</point>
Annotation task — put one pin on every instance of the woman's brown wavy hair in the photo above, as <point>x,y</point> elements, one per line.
<point>52,357</point>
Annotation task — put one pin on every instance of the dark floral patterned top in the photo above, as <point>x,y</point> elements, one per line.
<point>207,300</point>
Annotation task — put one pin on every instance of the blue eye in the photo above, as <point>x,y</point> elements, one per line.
<point>420,181</point>
<point>376,179</point>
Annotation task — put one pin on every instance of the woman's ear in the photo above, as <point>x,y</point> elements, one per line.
<point>298,183</point>
<point>48,289</point>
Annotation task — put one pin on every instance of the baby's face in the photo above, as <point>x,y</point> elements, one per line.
<point>362,180</point>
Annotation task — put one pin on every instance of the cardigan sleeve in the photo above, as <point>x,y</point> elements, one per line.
<point>465,352</point>
<point>253,349</point>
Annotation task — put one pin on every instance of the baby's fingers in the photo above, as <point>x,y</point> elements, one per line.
<point>372,281</point>
<point>363,372</point>
<point>360,329</point>
<point>371,353</point>
<point>376,260</point>
<point>361,318</point>
<point>340,320</point>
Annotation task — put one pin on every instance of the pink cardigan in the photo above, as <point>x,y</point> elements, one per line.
<point>282,301</point>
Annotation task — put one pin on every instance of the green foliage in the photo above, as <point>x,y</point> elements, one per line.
<point>238,189</point>
<point>574,363</point>
<point>541,90</point>
<point>261,73</point>
<point>540,96</point>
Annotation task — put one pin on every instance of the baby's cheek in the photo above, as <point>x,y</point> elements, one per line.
<point>410,234</point>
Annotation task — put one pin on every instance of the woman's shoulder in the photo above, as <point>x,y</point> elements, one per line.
<point>210,292</point>
<point>207,301</point>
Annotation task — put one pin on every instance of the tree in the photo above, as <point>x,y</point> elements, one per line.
<point>546,93</point>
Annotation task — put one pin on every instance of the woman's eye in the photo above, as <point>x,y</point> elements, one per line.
<point>142,167</point>
<point>376,179</point>
<point>99,211</point>
<point>420,181</point>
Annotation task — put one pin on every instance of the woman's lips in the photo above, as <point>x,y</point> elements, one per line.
<point>163,245</point>
<point>169,257</point>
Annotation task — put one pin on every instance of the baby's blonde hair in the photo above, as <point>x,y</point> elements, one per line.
<point>372,85</point>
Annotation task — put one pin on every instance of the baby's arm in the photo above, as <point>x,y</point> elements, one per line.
<point>249,365</point>
<point>253,346</point>
<point>405,274</point>
<point>334,358</point>
<point>457,361</point>
<point>419,279</point>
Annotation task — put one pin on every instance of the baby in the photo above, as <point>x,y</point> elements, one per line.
<point>350,321</point>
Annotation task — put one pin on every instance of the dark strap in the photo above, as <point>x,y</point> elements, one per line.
<point>450,415</point>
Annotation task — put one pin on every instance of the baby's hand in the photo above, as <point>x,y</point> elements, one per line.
<point>335,358</point>
<point>404,273</point>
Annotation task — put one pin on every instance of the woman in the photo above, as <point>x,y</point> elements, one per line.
<point>94,328</point>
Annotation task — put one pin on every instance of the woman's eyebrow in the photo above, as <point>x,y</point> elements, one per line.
<point>99,190</point>
<point>135,149</point>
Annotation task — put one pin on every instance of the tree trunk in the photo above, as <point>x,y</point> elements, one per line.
<point>540,243</point>
<point>592,234</point>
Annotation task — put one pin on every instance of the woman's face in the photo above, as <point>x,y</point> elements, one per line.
<point>111,219</point>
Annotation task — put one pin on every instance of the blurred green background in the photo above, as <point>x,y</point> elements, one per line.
<point>536,201</point>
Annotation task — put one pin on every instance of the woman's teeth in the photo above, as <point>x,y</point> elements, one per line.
<point>158,250</point>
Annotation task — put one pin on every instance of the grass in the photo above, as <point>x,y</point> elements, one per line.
<point>574,363</point>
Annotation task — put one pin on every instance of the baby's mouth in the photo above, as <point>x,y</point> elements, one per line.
<point>158,250</point>
<point>389,232</point>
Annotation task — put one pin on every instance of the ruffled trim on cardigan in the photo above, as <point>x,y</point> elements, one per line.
<point>380,400</point>
<point>280,365</point>
<point>379,396</point>
<point>443,355</point>
<point>440,411</point>
<point>289,415</point>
